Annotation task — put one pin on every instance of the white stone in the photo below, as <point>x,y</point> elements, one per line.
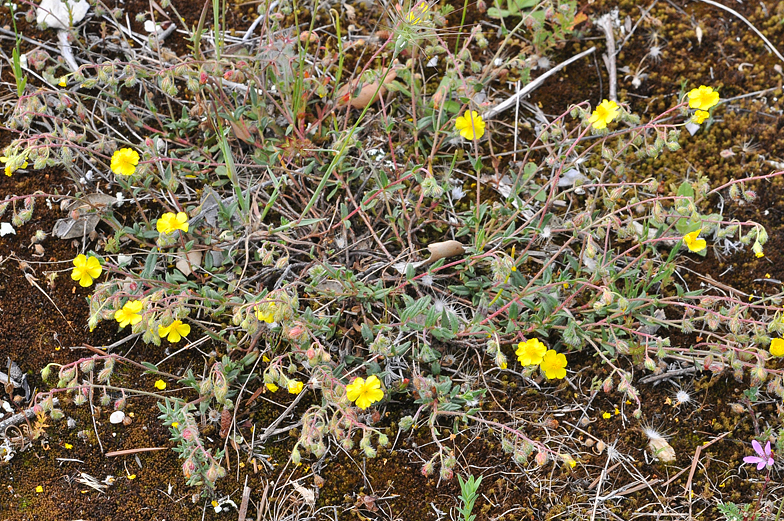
<point>6,228</point>
<point>59,14</point>
<point>117,417</point>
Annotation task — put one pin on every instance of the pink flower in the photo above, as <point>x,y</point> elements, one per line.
<point>765,457</point>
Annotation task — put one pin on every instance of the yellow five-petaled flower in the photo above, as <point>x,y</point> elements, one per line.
<point>553,364</point>
<point>12,166</point>
<point>86,269</point>
<point>604,114</point>
<point>365,392</point>
<point>295,386</point>
<point>777,347</point>
<point>470,125</point>
<point>170,222</point>
<point>700,116</point>
<point>129,313</point>
<point>694,244</point>
<point>174,331</point>
<point>124,161</point>
<point>530,352</point>
<point>265,311</point>
<point>703,98</point>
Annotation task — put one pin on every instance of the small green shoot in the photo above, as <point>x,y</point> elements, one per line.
<point>468,495</point>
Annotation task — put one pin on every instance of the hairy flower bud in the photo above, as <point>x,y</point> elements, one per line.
<point>188,468</point>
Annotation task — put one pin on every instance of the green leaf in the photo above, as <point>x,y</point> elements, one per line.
<point>685,190</point>
<point>151,368</point>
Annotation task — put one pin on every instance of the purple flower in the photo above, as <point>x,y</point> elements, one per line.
<point>765,457</point>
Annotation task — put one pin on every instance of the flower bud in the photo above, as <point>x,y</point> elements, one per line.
<point>188,468</point>
<point>541,458</point>
<point>406,422</point>
<point>87,366</point>
<point>190,433</point>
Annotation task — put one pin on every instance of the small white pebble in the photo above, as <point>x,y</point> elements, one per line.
<point>117,417</point>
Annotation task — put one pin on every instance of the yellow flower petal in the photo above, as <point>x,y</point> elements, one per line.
<point>85,269</point>
<point>171,222</point>
<point>124,161</point>
<point>365,392</point>
<point>693,243</point>
<point>777,347</point>
<point>470,125</point>
<point>553,364</point>
<point>530,352</point>
<point>703,98</point>
<point>174,331</point>
<point>700,116</point>
<point>160,385</point>
<point>604,114</point>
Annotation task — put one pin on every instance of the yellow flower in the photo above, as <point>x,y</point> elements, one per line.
<point>703,98</point>
<point>606,415</point>
<point>604,113</point>
<point>553,364</point>
<point>124,161</point>
<point>700,116</point>
<point>777,347</point>
<point>174,331</point>
<point>39,489</point>
<point>175,424</point>
<point>131,476</point>
<point>470,125</point>
<point>12,165</point>
<point>160,385</point>
<point>62,82</point>
<point>295,386</point>
<point>267,316</point>
<point>694,244</point>
<point>68,446</point>
<point>759,254</point>
<point>530,352</point>
<point>169,222</point>
<point>129,313</point>
<point>86,269</point>
<point>418,13</point>
<point>365,392</point>
<point>272,387</point>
